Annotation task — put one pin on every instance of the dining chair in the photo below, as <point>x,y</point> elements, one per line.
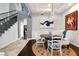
<point>55,45</point>
<point>40,41</point>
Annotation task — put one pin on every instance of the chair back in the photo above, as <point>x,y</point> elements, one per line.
<point>50,45</point>
<point>43,39</point>
<point>57,44</point>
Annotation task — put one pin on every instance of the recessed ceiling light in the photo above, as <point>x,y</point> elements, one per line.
<point>46,9</point>
<point>49,5</point>
<point>70,4</point>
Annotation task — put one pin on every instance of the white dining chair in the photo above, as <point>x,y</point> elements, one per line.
<point>55,45</point>
<point>40,41</point>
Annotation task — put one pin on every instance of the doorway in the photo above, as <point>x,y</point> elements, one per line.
<point>25,31</point>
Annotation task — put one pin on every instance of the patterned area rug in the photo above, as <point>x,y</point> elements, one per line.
<point>41,51</point>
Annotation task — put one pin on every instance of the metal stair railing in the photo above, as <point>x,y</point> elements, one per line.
<point>7,22</point>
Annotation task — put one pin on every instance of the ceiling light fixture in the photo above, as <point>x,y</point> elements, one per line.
<point>51,16</point>
<point>48,9</point>
<point>52,12</point>
<point>49,5</point>
<point>70,4</point>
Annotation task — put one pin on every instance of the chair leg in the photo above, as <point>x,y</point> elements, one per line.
<point>43,44</point>
<point>51,52</point>
<point>67,46</point>
<point>36,44</point>
<point>61,52</point>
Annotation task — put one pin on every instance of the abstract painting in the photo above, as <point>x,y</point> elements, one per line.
<point>46,23</point>
<point>71,21</point>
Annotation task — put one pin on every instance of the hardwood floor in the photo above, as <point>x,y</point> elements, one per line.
<point>27,50</point>
<point>76,49</point>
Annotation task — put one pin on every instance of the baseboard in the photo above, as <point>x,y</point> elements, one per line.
<point>75,48</point>
<point>8,43</point>
<point>74,44</point>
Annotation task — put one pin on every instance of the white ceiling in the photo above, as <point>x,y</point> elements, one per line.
<point>38,8</point>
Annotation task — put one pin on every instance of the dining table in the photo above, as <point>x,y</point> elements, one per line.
<point>47,37</point>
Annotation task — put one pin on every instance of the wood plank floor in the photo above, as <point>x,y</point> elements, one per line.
<point>27,50</point>
<point>76,49</point>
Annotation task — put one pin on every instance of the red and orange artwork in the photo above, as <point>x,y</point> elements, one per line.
<point>71,21</point>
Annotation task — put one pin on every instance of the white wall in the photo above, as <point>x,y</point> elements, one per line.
<point>24,19</point>
<point>36,30</point>
<point>22,22</point>
<point>12,6</point>
<point>9,36</point>
<point>4,7</point>
<point>12,33</point>
<point>75,34</point>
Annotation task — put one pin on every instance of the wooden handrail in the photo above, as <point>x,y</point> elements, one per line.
<point>7,12</point>
<point>8,16</point>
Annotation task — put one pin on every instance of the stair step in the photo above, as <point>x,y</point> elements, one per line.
<point>7,25</point>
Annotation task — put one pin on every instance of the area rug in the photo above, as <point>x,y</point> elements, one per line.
<point>41,51</point>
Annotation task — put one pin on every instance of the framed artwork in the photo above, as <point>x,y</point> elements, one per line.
<point>46,23</point>
<point>71,21</point>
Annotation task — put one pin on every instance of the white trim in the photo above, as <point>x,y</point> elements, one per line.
<point>74,44</point>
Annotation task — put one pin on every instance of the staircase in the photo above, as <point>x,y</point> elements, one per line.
<point>7,22</point>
